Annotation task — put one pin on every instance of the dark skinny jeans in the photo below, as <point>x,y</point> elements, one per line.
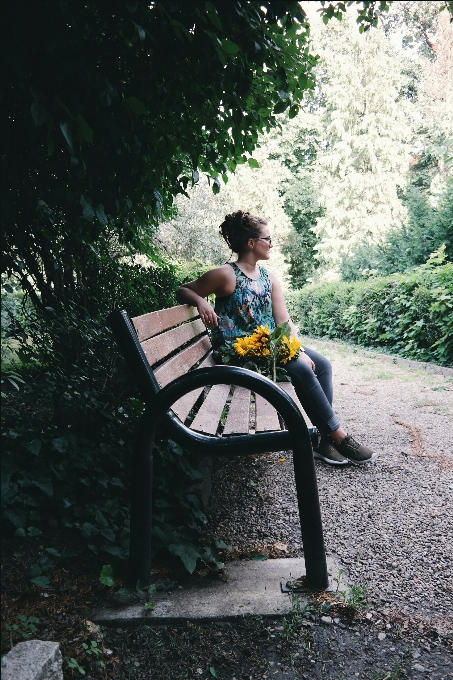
<point>315,390</point>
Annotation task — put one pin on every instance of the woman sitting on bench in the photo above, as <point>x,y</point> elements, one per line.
<point>248,296</point>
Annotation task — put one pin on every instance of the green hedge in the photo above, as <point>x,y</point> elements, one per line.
<point>409,314</point>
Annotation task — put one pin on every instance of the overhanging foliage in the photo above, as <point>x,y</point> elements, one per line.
<point>111,109</point>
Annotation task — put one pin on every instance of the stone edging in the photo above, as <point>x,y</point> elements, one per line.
<point>389,358</point>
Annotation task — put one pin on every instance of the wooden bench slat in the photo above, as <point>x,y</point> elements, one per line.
<point>149,325</point>
<point>238,419</point>
<point>266,415</point>
<point>182,362</point>
<point>159,347</point>
<point>289,389</point>
<point>208,417</point>
<point>183,406</point>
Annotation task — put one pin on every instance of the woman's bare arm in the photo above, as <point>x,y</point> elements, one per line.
<point>279,310</point>
<point>220,282</point>
<point>280,313</point>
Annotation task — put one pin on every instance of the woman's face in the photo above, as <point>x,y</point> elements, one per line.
<point>262,245</point>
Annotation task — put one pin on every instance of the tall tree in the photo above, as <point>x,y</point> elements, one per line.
<point>428,189</point>
<point>367,129</point>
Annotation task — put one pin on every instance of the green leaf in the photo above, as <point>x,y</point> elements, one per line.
<point>280,107</point>
<point>303,81</point>
<point>38,113</point>
<point>253,163</point>
<point>88,212</point>
<point>221,545</point>
<point>61,443</point>
<point>259,557</point>
<point>264,112</point>
<point>41,581</point>
<point>230,47</point>
<point>20,533</point>
<point>102,217</point>
<point>187,553</point>
<point>124,592</point>
<point>84,129</point>
<point>106,576</point>
<point>108,534</point>
<point>34,531</point>
<point>136,106</point>
<point>35,570</point>
<point>67,134</point>
<point>150,605</point>
<point>45,484</point>
<point>293,111</point>
<point>89,529</point>
<point>34,446</point>
<point>213,672</point>
<point>16,517</point>
<point>115,550</point>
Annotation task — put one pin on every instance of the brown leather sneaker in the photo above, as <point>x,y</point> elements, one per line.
<point>328,453</point>
<point>355,452</point>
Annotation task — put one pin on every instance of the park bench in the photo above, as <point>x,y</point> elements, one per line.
<point>211,410</point>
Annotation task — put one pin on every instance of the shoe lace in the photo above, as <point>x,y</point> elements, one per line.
<point>352,444</point>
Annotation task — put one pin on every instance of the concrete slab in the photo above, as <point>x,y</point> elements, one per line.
<point>253,588</point>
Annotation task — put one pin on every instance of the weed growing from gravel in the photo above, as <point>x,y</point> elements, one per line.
<point>293,625</point>
<point>396,673</point>
<point>356,598</point>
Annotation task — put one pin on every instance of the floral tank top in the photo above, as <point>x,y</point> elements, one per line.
<point>249,306</point>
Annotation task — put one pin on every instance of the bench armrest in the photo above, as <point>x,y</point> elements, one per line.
<point>232,375</point>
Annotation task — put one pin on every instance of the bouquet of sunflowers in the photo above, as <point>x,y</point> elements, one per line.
<point>264,351</point>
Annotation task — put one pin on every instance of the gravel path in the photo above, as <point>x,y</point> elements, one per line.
<point>391,522</point>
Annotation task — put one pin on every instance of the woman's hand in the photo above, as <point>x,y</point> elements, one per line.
<point>207,314</point>
<point>307,360</point>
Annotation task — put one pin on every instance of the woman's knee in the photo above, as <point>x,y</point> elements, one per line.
<point>300,369</point>
<point>321,362</point>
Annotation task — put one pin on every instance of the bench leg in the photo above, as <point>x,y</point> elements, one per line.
<point>141,508</point>
<point>310,514</point>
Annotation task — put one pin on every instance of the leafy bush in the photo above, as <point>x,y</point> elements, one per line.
<point>68,431</point>
<point>409,314</point>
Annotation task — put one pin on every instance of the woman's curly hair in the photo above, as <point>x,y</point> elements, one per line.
<point>239,227</point>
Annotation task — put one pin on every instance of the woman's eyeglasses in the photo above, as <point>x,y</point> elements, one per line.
<point>265,238</point>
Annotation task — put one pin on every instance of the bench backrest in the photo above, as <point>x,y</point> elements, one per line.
<point>175,341</point>
<point>169,343</point>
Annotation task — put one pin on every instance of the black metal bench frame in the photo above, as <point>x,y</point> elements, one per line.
<point>158,402</point>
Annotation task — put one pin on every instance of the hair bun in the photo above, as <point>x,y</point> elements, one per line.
<point>236,217</point>
<point>238,227</point>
